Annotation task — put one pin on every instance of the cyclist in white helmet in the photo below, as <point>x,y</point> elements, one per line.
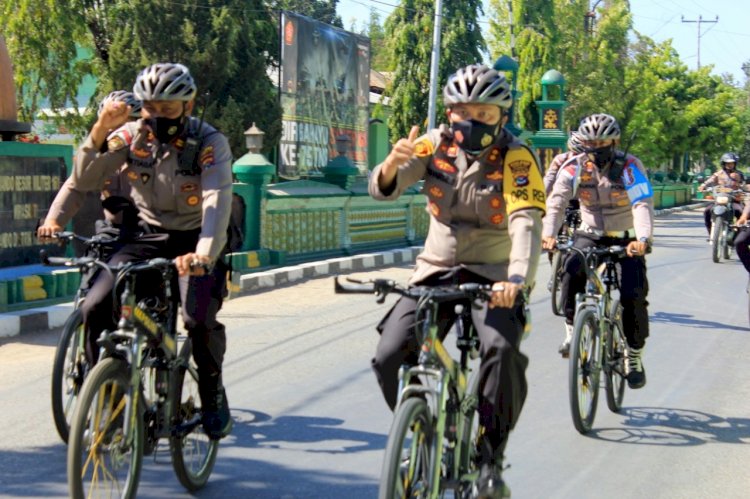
<point>617,208</point>
<point>179,172</point>
<point>485,201</point>
<point>69,201</point>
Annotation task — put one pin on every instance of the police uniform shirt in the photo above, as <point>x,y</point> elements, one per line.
<point>605,204</point>
<point>165,196</point>
<point>484,215</point>
<point>554,167</point>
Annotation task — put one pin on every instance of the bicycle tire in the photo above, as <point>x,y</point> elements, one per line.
<point>584,370</point>
<point>106,395</point>
<point>726,247</point>
<point>557,271</point>
<point>615,360</point>
<point>68,370</point>
<point>715,233</point>
<point>409,452</point>
<point>185,400</point>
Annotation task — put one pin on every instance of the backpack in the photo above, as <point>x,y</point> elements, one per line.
<point>188,165</point>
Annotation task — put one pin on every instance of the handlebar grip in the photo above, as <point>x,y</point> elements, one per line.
<point>351,288</point>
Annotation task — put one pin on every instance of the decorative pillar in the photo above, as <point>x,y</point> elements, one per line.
<point>340,170</point>
<point>551,139</point>
<point>507,64</point>
<point>253,172</point>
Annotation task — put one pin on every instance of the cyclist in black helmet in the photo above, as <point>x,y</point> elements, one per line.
<point>185,195</point>
<point>485,200</point>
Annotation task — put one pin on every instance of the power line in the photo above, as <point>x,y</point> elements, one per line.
<point>699,21</point>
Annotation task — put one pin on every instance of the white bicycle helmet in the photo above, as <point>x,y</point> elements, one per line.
<point>123,96</point>
<point>477,84</point>
<point>729,157</point>
<point>574,142</point>
<point>165,81</point>
<point>599,127</point>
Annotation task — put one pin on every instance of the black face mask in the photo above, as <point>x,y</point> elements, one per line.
<point>166,129</point>
<point>472,136</point>
<point>601,156</point>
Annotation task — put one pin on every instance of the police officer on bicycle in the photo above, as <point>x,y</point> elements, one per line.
<point>728,177</point>
<point>485,202</point>
<point>617,208</point>
<point>179,172</point>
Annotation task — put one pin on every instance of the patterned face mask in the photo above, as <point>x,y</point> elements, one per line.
<point>472,136</point>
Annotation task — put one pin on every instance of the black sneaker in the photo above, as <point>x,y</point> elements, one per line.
<point>490,484</point>
<point>217,420</point>
<point>636,374</point>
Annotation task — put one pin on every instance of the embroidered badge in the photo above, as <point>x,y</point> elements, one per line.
<point>423,148</point>
<point>520,171</point>
<point>486,140</point>
<point>496,203</point>
<point>452,151</point>
<point>141,153</point>
<point>115,143</point>
<point>493,157</point>
<point>207,156</point>
<point>145,177</point>
<point>497,219</point>
<point>496,175</point>
<point>132,175</point>
<point>443,165</point>
<point>434,209</point>
<point>189,187</point>
<point>193,200</point>
<point>435,191</point>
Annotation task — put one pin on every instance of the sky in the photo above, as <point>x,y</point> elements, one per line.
<point>724,44</point>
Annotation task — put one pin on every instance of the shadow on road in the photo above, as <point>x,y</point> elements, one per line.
<point>690,321</point>
<point>675,427</point>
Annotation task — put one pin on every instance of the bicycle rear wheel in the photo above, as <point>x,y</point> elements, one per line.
<point>68,370</point>
<point>556,287</point>
<point>408,455</point>
<point>101,462</point>
<point>193,453</point>
<point>615,360</point>
<point>585,367</point>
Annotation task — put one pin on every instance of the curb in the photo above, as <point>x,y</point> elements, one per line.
<point>45,318</point>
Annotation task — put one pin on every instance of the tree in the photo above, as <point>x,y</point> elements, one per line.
<point>320,10</point>
<point>409,30</point>
<point>379,56</point>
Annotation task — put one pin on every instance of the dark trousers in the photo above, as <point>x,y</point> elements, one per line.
<point>502,371</point>
<point>201,299</point>
<point>742,245</point>
<point>633,288</point>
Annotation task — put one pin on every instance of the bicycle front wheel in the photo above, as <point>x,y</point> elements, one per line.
<point>585,366</point>
<point>68,370</point>
<point>615,360</point>
<point>408,455</point>
<point>557,272</point>
<point>102,460</point>
<point>715,239</point>
<point>193,453</point>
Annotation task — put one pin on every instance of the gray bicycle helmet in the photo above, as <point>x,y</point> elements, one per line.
<point>123,96</point>
<point>729,157</point>
<point>574,142</point>
<point>599,127</point>
<point>477,84</point>
<point>165,81</point>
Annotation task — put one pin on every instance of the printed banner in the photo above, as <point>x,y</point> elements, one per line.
<point>325,86</point>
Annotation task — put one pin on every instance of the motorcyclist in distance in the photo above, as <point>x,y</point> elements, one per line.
<point>728,176</point>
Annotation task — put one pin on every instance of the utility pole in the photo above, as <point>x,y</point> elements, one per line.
<point>699,21</point>
<point>431,106</point>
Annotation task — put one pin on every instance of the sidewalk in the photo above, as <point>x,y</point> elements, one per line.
<point>39,319</point>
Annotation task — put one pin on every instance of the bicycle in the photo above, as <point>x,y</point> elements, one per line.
<point>143,388</point>
<point>430,447</point>
<point>554,286</point>
<point>70,364</point>
<point>599,343</point>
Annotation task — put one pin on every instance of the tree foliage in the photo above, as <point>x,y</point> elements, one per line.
<point>409,34</point>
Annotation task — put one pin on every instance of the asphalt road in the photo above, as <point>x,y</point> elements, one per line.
<point>310,422</point>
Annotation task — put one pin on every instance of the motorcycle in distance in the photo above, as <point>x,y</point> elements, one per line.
<point>726,201</point>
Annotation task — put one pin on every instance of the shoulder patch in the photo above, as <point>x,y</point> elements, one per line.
<point>423,147</point>
<point>119,139</point>
<point>523,186</point>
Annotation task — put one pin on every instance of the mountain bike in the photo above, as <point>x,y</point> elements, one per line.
<point>70,364</point>
<point>554,286</point>
<point>143,388</point>
<point>430,448</point>
<point>599,343</point>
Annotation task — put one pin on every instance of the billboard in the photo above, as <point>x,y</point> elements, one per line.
<point>324,86</point>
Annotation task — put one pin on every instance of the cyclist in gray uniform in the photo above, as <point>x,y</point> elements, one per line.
<point>617,208</point>
<point>190,202</point>
<point>485,201</point>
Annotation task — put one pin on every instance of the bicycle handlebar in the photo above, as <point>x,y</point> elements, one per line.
<point>439,293</point>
